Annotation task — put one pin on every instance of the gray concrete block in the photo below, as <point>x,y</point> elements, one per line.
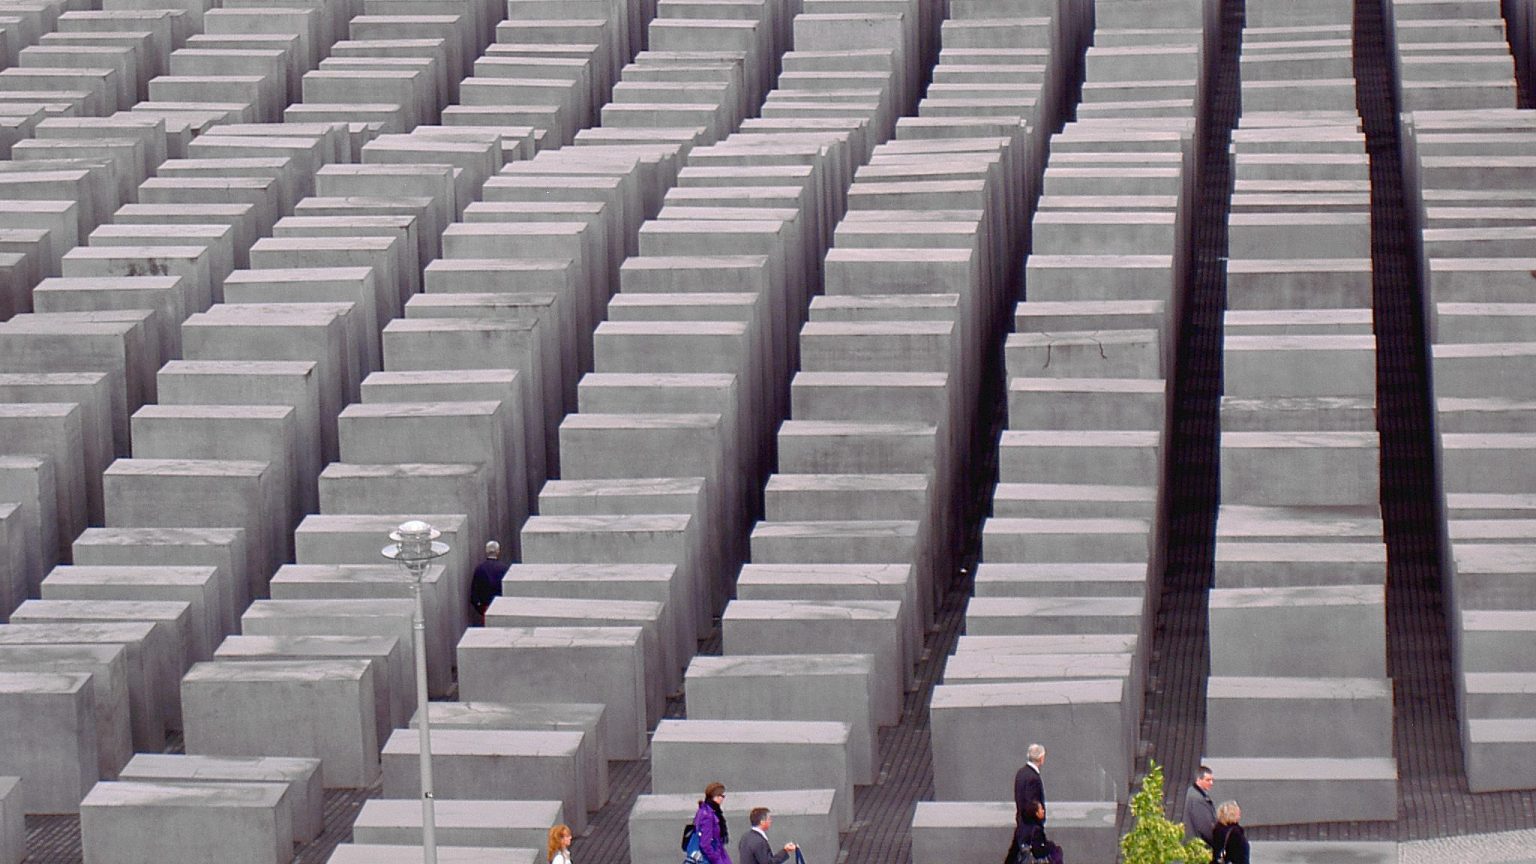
<point>588,718</point>
<point>305,799</point>
<point>1282,791</point>
<point>1270,716</point>
<point>1084,830</point>
<point>327,710</point>
<point>808,816</point>
<point>491,765</point>
<point>487,824</point>
<point>52,718</point>
<point>1335,631</point>
<point>205,822</point>
<point>980,732</point>
<point>753,754</point>
<point>594,664</point>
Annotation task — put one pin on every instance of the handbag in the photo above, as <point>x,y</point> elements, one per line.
<point>799,859</point>
<point>1221,857</point>
<point>693,851</point>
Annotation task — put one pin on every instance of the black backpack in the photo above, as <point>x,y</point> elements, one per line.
<point>691,841</point>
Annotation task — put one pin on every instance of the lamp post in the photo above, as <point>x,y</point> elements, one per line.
<point>414,548</point>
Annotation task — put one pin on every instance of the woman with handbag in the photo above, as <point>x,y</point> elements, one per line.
<point>1229,843</point>
<point>1034,846</point>
<point>709,822</point>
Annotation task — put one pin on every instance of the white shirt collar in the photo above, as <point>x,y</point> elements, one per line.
<point>760,831</point>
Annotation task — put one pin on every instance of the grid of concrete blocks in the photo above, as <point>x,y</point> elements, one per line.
<point>686,303</point>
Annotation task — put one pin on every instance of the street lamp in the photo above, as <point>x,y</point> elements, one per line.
<point>414,548</point>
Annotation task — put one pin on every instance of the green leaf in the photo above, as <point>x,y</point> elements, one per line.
<point>1155,839</point>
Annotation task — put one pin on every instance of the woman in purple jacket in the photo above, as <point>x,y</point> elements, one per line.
<point>710,823</point>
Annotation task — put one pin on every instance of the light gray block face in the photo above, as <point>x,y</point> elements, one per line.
<point>1302,468</point>
<point>376,853</point>
<point>661,664</point>
<point>394,691</point>
<point>13,823</point>
<point>1271,716</point>
<point>836,687</point>
<point>222,548</point>
<point>305,799</point>
<point>1060,580</point>
<point>168,644</point>
<point>500,385</point>
<point>658,583</point>
<point>1268,366</point>
<point>458,432</point>
<point>753,755</point>
<point>1079,456</point>
<point>384,581</point>
<point>1115,354</point>
<point>1083,723</point>
<point>199,587</point>
<point>1065,540</point>
<point>588,718</point>
<point>108,666</point>
<point>1320,852</point>
<point>643,539</point>
<point>808,816</point>
<point>489,824</point>
<point>491,765</point>
<point>1054,616</point>
<point>1492,575</point>
<point>593,664</point>
<point>53,725</point>
<point>199,493</point>
<point>51,430</point>
<point>140,642</point>
<point>27,481</point>
<point>1087,828</point>
<point>1494,747</point>
<point>325,711</point>
<point>1299,565</point>
<point>206,822</point>
<point>833,627</point>
<point>1323,283</point>
<point>1338,631</point>
<point>1290,789</point>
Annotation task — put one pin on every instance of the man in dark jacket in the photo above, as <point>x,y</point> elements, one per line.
<point>485,585</point>
<point>1199,809</point>
<point>1028,790</point>
<point>755,848</point>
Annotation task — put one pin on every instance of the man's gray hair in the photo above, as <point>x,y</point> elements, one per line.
<point>1035,753</point>
<point>492,549</point>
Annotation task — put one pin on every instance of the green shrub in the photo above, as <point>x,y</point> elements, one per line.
<point>1154,839</point>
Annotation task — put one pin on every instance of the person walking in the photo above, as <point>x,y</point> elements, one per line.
<point>485,584</point>
<point>1038,846</point>
<point>1028,787</point>
<point>709,822</point>
<point>755,847</point>
<point>560,845</point>
<point>1199,809</point>
<point>1230,842</point>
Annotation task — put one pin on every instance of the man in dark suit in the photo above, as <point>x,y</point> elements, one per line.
<point>485,584</point>
<point>1028,789</point>
<point>755,848</point>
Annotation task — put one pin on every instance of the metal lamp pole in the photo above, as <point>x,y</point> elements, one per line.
<point>414,548</point>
